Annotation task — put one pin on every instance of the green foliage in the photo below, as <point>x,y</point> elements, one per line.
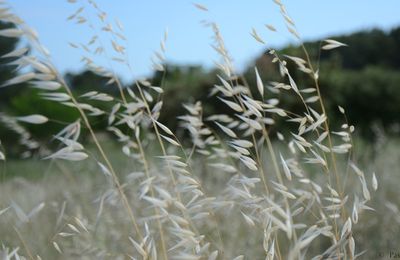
<point>362,77</point>
<point>6,71</point>
<point>58,115</point>
<point>371,94</point>
<point>182,85</point>
<point>88,81</point>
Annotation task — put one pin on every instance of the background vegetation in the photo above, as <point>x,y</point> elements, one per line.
<point>203,164</point>
<point>363,77</point>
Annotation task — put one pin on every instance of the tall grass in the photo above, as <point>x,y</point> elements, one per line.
<point>232,193</point>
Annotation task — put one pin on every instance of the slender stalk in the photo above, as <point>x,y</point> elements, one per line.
<point>157,211</point>
<point>147,172</point>
<point>105,158</point>
<point>27,250</point>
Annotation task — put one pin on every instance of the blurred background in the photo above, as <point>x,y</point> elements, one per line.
<point>363,78</point>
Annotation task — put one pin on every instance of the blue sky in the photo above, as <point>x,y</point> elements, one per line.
<point>189,41</point>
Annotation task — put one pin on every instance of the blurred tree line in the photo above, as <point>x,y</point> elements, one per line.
<point>364,78</point>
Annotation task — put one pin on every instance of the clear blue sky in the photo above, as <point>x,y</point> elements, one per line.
<point>189,41</point>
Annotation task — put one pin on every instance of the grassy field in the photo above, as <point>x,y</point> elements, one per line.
<point>258,180</point>
<point>56,202</point>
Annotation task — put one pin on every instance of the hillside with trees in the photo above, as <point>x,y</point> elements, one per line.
<point>364,77</point>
